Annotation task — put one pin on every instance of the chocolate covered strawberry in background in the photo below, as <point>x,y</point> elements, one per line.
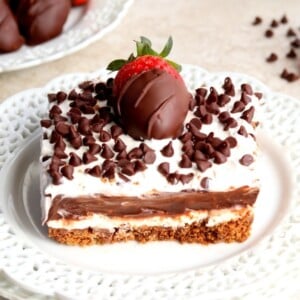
<point>150,96</point>
<point>32,21</point>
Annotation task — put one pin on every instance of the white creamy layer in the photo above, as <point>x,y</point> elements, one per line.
<point>97,221</point>
<point>222,176</point>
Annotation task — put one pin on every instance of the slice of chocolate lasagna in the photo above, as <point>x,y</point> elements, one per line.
<point>108,174</point>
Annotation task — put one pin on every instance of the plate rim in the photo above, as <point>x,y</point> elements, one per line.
<point>121,9</point>
<point>202,71</point>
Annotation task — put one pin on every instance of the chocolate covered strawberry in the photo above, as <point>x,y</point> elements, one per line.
<point>150,97</point>
<point>146,59</point>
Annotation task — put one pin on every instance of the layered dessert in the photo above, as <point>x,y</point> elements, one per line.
<point>142,157</point>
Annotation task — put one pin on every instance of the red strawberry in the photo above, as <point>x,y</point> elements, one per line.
<point>78,2</point>
<point>145,60</point>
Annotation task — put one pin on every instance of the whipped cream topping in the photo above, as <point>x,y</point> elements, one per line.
<point>221,177</point>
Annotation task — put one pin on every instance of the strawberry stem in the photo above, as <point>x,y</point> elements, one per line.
<point>144,47</point>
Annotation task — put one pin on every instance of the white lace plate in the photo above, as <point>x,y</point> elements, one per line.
<point>84,25</point>
<point>33,266</point>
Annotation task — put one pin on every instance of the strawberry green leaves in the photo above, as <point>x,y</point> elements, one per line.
<point>144,47</point>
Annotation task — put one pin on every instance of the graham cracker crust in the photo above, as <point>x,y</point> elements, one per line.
<point>232,231</point>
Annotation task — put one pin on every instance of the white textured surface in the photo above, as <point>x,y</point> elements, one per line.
<point>263,272</point>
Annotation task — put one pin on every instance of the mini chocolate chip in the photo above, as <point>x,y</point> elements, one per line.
<point>149,157</point>
<point>109,173</point>
<point>284,19</point>
<point>204,147</point>
<point>204,183</point>
<point>94,148</point>
<point>60,143</point>
<point>173,178</point>
<point>116,131</point>
<point>87,158</point>
<point>187,136</point>
<point>87,86</point>
<point>139,166</point>
<point>105,114</point>
<point>74,160</point>
<point>164,168</point>
<point>45,136</point>
<point>203,165</point>
<point>72,95</point>
<point>54,136</point>
<point>186,178</point>
<point>200,111</point>
<point>56,177</point>
<point>292,77</point>
<point>97,127</point>
<point>59,118</point>
<point>122,162</point>
<point>106,152</point>
<point>246,160</point>
<point>219,158</point>
<point>51,97</point>
<point>269,33</point>
<point>135,153</point>
<point>291,54</point>
<point>67,171</point>
<point>242,131</point>
<point>145,148</point>
<point>231,141</point>
<point>257,21</point>
<point>121,155</point>
<point>213,96</point>
<point>88,140</point>
<point>248,114</point>
<point>245,98</point>
<point>272,57</point>
<point>76,142</point>
<point>187,145</point>
<point>104,136</point>
<point>185,162</point>
<point>258,95</point>
<point>224,148</point>
<point>46,123</point>
<point>215,142</point>
<point>192,104</point>
<point>245,87</point>
<point>107,164</point>
<point>223,99</point>
<point>213,108</point>
<point>295,43</point>
<point>290,32</point>
<point>84,126</point>
<point>230,123</point>
<point>198,155</point>
<point>128,169</point>
<point>94,171</point>
<point>110,82</point>
<point>99,87</point>
<point>61,96</point>
<point>274,23</point>
<point>74,118</point>
<point>60,153</point>
<point>119,145</point>
<point>87,109</point>
<point>238,106</point>
<point>196,122</point>
<point>201,92</point>
<point>167,150</point>
<point>228,87</point>
<point>86,96</point>
<point>224,116</point>
<point>207,119</point>
<point>54,110</point>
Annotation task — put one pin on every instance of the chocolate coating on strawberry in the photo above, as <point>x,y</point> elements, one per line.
<point>10,38</point>
<point>41,20</point>
<point>153,104</point>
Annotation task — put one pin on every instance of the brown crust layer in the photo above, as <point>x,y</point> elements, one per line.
<point>232,231</point>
